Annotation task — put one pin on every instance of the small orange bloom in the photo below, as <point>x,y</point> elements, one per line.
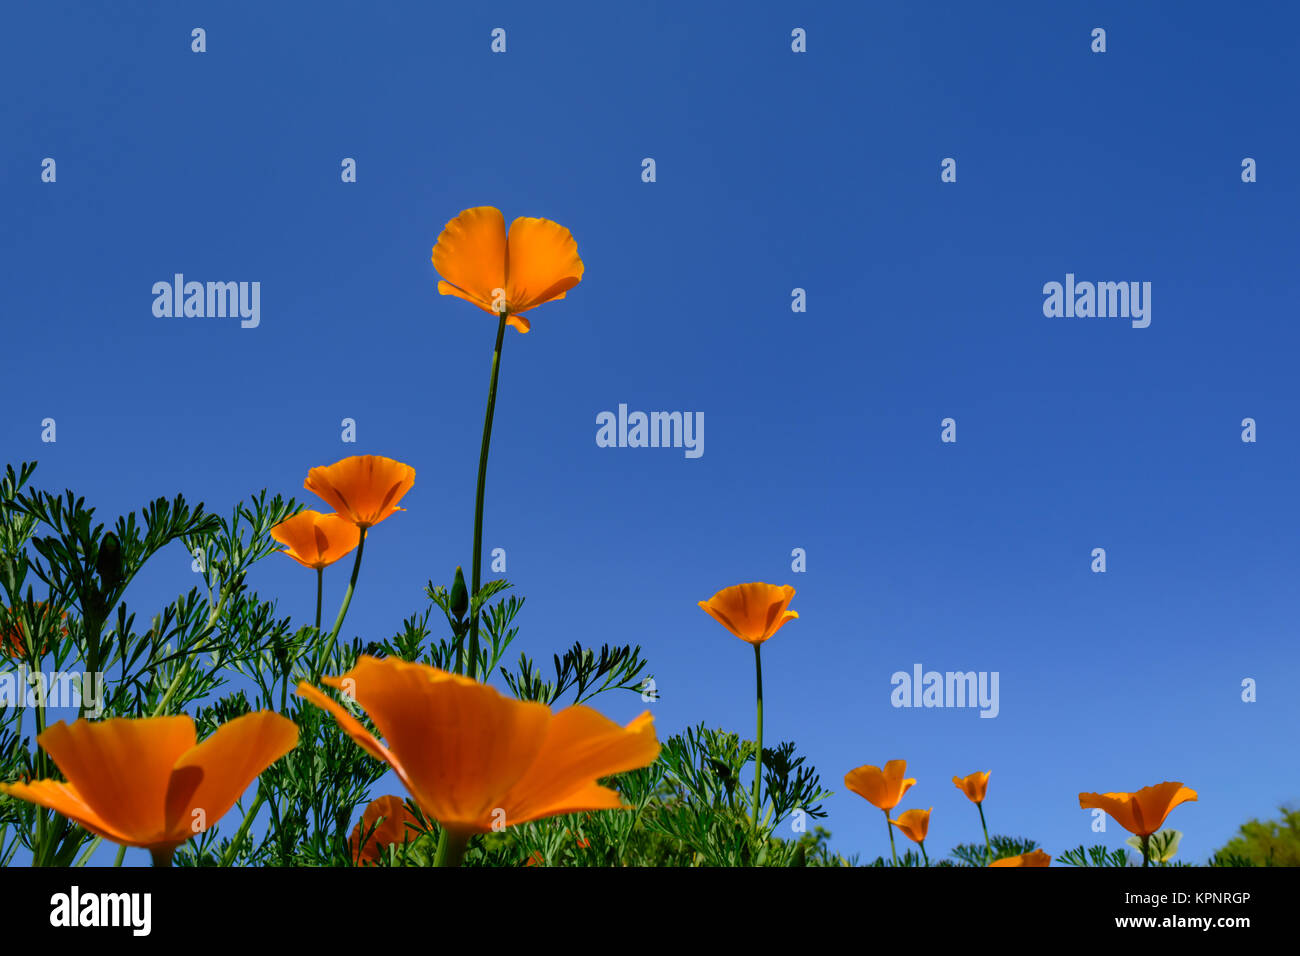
<point>536,263</point>
<point>317,540</point>
<point>365,489</point>
<point>13,640</point>
<point>145,782</point>
<point>974,786</point>
<point>1141,813</point>
<point>753,612</point>
<point>914,823</point>
<point>473,758</point>
<point>882,788</point>
<point>399,825</point>
<point>1032,858</point>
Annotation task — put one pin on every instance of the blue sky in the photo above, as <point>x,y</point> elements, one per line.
<point>775,170</point>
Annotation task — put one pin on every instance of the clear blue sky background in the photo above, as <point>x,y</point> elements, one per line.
<point>776,170</point>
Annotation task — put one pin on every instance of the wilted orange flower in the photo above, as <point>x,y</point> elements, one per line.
<point>1032,858</point>
<point>881,788</point>
<point>974,786</point>
<point>753,612</point>
<point>914,823</point>
<point>317,540</point>
<point>399,825</point>
<point>145,782</point>
<point>365,489</point>
<point>1141,813</point>
<point>471,757</point>
<point>536,263</point>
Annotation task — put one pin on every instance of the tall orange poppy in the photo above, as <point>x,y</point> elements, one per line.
<point>506,273</point>
<point>475,760</point>
<point>1032,858</point>
<point>1141,813</point>
<point>753,611</point>
<point>881,788</point>
<point>365,489</point>
<point>317,540</point>
<point>392,823</point>
<point>146,782</point>
<point>974,785</point>
<point>914,823</point>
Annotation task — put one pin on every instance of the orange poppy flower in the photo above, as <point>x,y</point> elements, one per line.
<point>145,782</point>
<point>753,612</point>
<point>317,540</point>
<point>535,263</point>
<point>914,823</point>
<point>974,786</point>
<point>881,788</point>
<point>396,825</point>
<point>13,640</point>
<point>475,760</point>
<point>365,489</point>
<point>1032,858</point>
<point>1141,813</point>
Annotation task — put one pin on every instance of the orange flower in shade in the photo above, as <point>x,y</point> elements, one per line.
<point>974,786</point>
<point>471,757</point>
<point>396,825</point>
<point>914,823</point>
<point>317,540</point>
<point>881,788</point>
<point>1141,813</point>
<point>146,783</point>
<point>13,640</point>
<point>364,489</point>
<point>1032,858</point>
<point>753,612</point>
<point>535,263</point>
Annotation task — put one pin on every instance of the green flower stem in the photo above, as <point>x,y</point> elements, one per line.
<point>924,854</point>
<point>890,827</point>
<point>228,858</point>
<point>121,855</point>
<point>320,590</point>
<point>451,848</point>
<point>352,586</point>
<point>477,571</point>
<point>1146,851</point>
<point>758,757</point>
<point>988,847</point>
<point>163,857</point>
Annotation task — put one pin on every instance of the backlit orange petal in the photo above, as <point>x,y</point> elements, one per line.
<point>225,763</point>
<point>461,744</point>
<point>363,488</point>
<point>974,785</point>
<point>470,255</point>
<point>914,823</point>
<point>1118,805</point>
<point>395,825</point>
<point>543,263</point>
<point>581,747</point>
<point>1154,803</point>
<point>63,798</point>
<point>317,540</point>
<point>121,768</point>
<point>752,611</point>
<point>350,725</point>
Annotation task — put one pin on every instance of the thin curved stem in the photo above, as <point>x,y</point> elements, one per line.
<point>758,757</point>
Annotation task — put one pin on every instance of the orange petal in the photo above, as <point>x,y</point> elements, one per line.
<point>461,744</point>
<point>63,798</point>
<point>581,747</point>
<point>1118,805</point>
<point>1152,804</point>
<point>543,263</point>
<point>1032,858</point>
<point>121,768</point>
<point>363,488</point>
<point>350,726</point>
<point>317,540</point>
<point>915,823</point>
<point>470,255</point>
<point>225,764</point>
